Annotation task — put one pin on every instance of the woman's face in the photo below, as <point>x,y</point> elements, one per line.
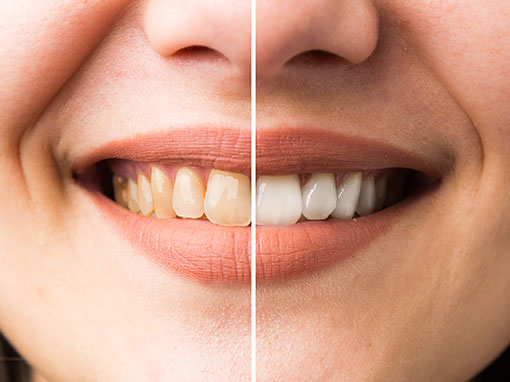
<point>89,291</point>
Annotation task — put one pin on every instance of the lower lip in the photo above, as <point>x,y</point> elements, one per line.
<point>207,252</point>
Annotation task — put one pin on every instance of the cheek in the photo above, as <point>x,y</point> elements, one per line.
<point>44,40</point>
<point>466,44</point>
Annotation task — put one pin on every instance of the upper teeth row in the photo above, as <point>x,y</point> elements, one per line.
<point>281,200</point>
<point>225,201</point>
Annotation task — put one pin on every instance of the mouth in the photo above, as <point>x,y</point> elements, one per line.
<point>183,199</point>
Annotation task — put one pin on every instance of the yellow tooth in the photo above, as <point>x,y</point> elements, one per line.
<point>188,198</point>
<point>162,192</point>
<point>227,199</point>
<point>120,190</point>
<point>145,195</point>
<point>133,196</point>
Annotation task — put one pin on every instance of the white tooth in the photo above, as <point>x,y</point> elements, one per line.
<point>188,198</point>
<point>162,193</point>
<point>120,190</point>
<point>278,200</point>
<point>319,196</point>
<point>133,196</point>
<point>227,199</point>
<point>366,202</point>
<point>347,196</point>
<point>380,192</point>
<point>145,195</point>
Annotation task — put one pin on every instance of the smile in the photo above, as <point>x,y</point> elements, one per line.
<point>184,200</point>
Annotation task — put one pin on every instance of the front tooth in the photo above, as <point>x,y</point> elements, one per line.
<point>319,196</point>
<point>188,198</point>
<point>162,193</point>
<point>366,202</point>
<point>145,195</point>
<point>227,199</point>
<point>120,190</point>
<point>278,200</point>
<point>380,192</point>
<point>133,196</point>
<point>347,196</point>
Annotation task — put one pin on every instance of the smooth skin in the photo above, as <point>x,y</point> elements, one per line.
<point>427,301</point>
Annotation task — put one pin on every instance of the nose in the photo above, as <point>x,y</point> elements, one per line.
<point>222,26</point>
<point>288,28</point>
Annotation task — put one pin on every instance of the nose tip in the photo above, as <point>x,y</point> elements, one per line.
<point>172,26</point>
<point>345,28</point>
<point>285,29</point>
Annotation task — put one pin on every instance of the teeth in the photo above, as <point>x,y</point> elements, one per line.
<point>380,192</point>
<point>132,196</point>
<point>145,196</point>
<point>162,194</point>
<point>227,199</point>
<point>120,190</point>
<point>319,196</point>
<point>347,196</point>
<point>366,202</point>
<point>188,198</point>
<point>281,200</point>
<point>278,200</point>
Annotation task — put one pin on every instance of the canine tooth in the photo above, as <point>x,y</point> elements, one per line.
<point>366,202</point>
<point>347,196</point>
<point>319,196</point>
<point>380,192</point>
<point>188,198</point>
<point>133,196</point>
<point>120,191</point>
<point>227,198</point>
<point>162,193</point>
<point>145,195</point>
<point>278,200</point>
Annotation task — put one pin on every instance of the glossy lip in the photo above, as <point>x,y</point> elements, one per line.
<point>208,252</point>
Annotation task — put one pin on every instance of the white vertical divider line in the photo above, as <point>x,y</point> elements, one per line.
<point>253,173</point>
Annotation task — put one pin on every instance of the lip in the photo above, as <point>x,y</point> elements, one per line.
<point>210,253</point>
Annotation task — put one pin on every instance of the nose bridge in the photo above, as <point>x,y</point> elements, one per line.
<point>285,29</point>
<point>223,26</point>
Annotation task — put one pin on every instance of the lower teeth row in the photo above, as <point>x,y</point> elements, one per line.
<point>281,200</point>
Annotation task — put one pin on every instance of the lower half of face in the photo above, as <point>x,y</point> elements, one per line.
<point>381,213</point>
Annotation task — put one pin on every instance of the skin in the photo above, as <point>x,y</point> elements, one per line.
<point>427,301</point>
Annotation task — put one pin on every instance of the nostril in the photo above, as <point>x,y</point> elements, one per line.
<point>316,58</point>
<point>194,52</point>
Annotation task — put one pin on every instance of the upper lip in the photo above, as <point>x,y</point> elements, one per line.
<point>299,150</point>
<point>220,148</point>
<point>279,151</point>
